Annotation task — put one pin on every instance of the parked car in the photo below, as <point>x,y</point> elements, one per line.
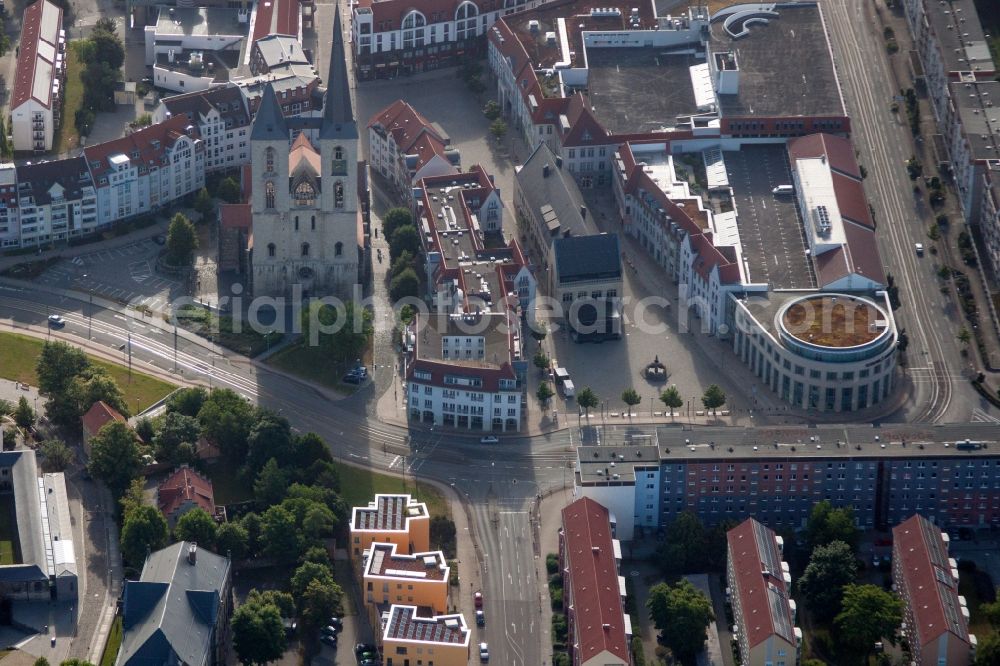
<point>351,378</point>
<point>330,630</point>
<point>56,321</point>
<point>919,248</point>
<point>478,598</point>
<point>489,439</point>
<point>484,652</point>
<point>480,619</point>
<point>337,623</point>
<point>362,648</point>
<point>328,639</point>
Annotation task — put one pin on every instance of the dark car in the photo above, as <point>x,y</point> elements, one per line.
<point>160,239</point>
<point>480,619</point>
<point>336,623</point>
<point>364,648</point>
<point>351,378</point>
<point>328,639</point>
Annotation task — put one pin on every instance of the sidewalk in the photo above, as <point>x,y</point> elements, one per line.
<point>549,521</point>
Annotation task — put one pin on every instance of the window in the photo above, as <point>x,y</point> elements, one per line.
<point>339,162</point>
<point>305,249</point>
<point>269,194</point>
<point>413,30</point>
<point>270,249</point>
<point>338,249</point>
<point>338,194</point>
<point>305,195</point>
<point>269,158</point>
<point>465,21</point>
<point>296,222</point>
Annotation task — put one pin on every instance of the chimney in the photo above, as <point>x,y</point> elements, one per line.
<point>558,161</point>
<point>583,212</point>
<point>545,171</point>
<point>192,553</point>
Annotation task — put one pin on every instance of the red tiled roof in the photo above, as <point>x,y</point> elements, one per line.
<point>591,577</point>
<point>276,17</point>
<point>851,199</point>
<point>185,485</point>
<point>837,149</point>
<point>859,255</point>
<point>408,127</point>
<point>747,542</point>
<point>921,557</point>
<point>98,416</point>
<point>28,65</point>
<point>147,147</point>
<point>235,216</point>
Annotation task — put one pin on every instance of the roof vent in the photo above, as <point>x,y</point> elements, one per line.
<point>192,553</point>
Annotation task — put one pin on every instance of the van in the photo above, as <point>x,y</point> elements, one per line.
<point>783,189</point>
<point>568,389</point>
<point>919,249</point>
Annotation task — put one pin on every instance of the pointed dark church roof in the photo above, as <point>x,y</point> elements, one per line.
<point>269,123</point>
<point>338,116</point>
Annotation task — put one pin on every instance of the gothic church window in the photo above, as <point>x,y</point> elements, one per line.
<point>305,249</point>
<point>269,194</point>
<point>270,160</point>
<point>305,194</point>
<point>338,249</point>
<point>338,194</point>
<point>270,249</point>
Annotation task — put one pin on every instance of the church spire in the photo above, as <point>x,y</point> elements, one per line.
<point>269,121</point>
<point>338,116</point>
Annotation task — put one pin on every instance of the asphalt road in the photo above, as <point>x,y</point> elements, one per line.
<point>500,483</point>
<point>931,319</point>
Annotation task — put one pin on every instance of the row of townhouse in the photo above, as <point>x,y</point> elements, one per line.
<point>59,200</point>
<point>405,585</point>
<point>957,69</point>
<point>950,475</point>
<point>404,147</point>
<point>393,38</point>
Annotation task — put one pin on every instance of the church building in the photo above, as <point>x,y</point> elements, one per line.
<point>306,227</point>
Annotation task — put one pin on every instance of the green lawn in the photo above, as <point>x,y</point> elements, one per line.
<point>314,364</point>
<point>67,137</point>
<point>113,644</point>
<point>220,330</point>
<point>8,533</point>
<point>359,486</point>
<point>19,353</point>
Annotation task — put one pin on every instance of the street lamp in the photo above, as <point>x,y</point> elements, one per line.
<point>90,312</point>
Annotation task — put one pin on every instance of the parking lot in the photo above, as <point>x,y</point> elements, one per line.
<point>125,274</point>
<point>770,228</point>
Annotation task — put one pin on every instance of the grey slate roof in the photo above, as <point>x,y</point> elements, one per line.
<point>338,115</point>
<point>169,614</point>
<point>24,475</point>
<point>269,123</point>
<point>558,191</point>
<point>580,258</point>
<point>37,179</point>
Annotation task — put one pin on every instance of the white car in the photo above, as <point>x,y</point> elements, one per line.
<point>489,439</point>
<point>56,320</point>
<point>484,652</point>
<point>919,248</point>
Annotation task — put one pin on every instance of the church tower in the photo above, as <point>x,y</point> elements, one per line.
<point>305,198</point>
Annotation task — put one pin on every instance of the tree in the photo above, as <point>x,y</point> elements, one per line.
<point>270,439</point>
<point>672,399</point>
<point>56,456</point>
<point>75,662</point>
<point>187,401</point>
<point>92,385</point>
<point>41,661</point>
<point>544,393</point>
<point>404,285</point>
<point>203,203</point>
<point>258,633</point>
<point>404,239</point>
<point>271,484</point>
<point>144,429</point>
<point>868,614</point>
<point>197,526</point>
<point>442,535</point>
<point>318,522</point>
<point>280,535</point>
<point>114,456</point>
<point>541,360</point>
<point>713,398</point>
<point>988,652</point>
<point>827,524</point>
<point>134,497</point>
<point>401,263</point>
<point>683,550</point>
<point>587,399</point>
<point>318,555</point>
<point>253,525</point>
<point>282,600</point>
<point>498,128</point>
<point>349,336</point>
<point>83,121</point>
<point>231,539</point>
<point>57,366</point>
<point>396,218</point>
<point>539,330</point>
<point>307,573</point>
<point>144,531</point>
<point>176,430</point>
<point>24,415</point>
<point>229,190</point>
<point>226,419</point>
<point>308,449</point>
<point>631,398</point>
<point>182,240</point>
<point>682,614</point>
<point>108,46</point>
<point>6,407</point>
<point>830,568</point>
<point>318,602</point>
<point>491,110</point>
<point>963,336</point>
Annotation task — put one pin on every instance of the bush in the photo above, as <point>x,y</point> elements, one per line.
<point>559,628</point>
<point>552,563</point>
<point>638,654</point>
<point>83,120</point>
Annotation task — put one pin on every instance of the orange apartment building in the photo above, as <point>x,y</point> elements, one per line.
<point>409,639</point>
<point>390,519</point>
